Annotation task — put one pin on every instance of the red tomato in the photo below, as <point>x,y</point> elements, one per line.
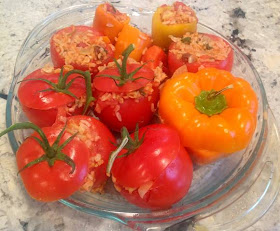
<point>99,140</point>
<point>158,173</point>
<point>83,47</point>
<point>125,106</point>
<point>193,66</point>
<point>47,183</point>
<point>154,56</point>
<point>131,111</point>
<point>41,107</point>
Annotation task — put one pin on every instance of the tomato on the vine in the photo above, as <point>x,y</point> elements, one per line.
<point>153,170</point>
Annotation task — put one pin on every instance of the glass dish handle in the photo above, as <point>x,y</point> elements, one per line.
<point>263,186</point>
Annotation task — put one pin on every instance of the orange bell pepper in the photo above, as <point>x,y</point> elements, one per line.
<point>109,21</point>
<point>161,30</point>
<point>211,123</point>
<point>132,35</point>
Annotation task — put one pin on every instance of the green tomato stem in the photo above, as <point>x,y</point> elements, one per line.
<point>28,125</point>
<point>124,76</point>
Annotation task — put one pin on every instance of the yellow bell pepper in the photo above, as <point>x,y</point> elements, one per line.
<point>165,24</point>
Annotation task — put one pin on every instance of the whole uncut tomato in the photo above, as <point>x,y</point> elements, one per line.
<point>53,164</point>
<point>42,94</point>
<point>99,141</point>
<point>153,170</point>
<point>83,47</point>
<point>198,50</point>
<point>126,94</point>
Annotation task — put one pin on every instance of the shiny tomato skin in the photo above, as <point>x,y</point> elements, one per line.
<point>162,160</point>
<point>174,63</point>
<point>41,107</point>
<point>102,144</point>
<point>106,84</point>
<point>132,112</point>
<point>171,186</point>
<point>59,61</point>
<point>45,183</point>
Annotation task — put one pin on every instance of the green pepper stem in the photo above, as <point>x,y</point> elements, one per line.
<point>211,102</point>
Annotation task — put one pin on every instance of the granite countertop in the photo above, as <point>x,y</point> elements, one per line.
<point>253,25</point>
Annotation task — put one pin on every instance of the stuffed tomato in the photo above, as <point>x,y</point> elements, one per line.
<point>46,91</point>
<point>174,20</point>
<point>83,47</point>
<point>152,169</point>
<point>127,93</point>
<point>99,141</point>
<point>198,50</point>
<point>52,163</point>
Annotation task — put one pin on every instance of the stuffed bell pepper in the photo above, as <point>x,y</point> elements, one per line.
<point>109,21</point>
<point>173,20</point>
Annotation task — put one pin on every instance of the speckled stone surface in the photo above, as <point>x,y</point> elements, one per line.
<point>253,25</point>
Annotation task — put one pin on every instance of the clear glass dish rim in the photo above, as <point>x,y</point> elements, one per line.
<point>214,196</point>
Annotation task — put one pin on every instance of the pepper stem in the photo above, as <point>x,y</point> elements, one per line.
<point>215,93</point>
<point>211,102</point>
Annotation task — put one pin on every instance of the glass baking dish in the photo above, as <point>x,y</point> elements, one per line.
<point>230,194</point>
